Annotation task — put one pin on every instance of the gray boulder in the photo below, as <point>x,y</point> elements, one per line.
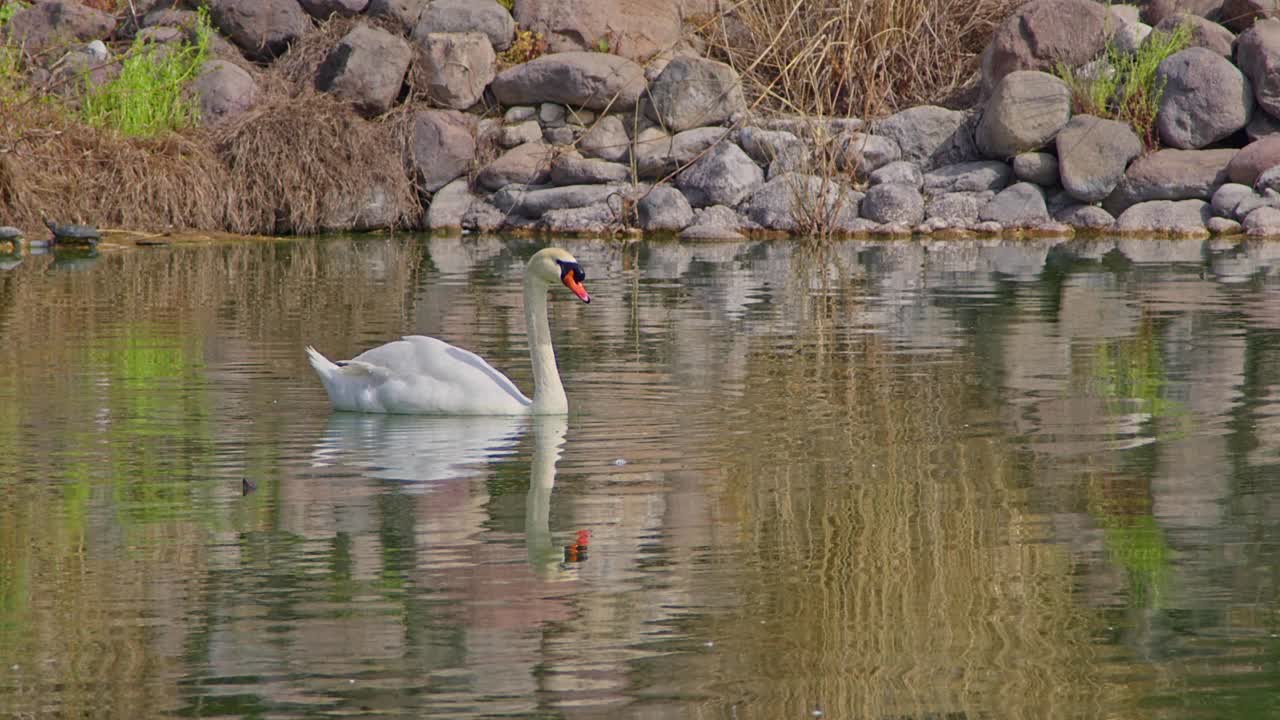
<point>1182,218</point>
<point>1170,175</point>
<point>1128,38</point>
<point>1093,154</point>
<point>1268,180</point>
<point>792,201</point>
<point>1261,125</point>
<point>519,133</point>
<point>664,208</point>
<point>599,219</point>
<point>1262,222</point>
<point>573,169</point>
<point>968,177</point>
<point>56,22</point>
<point>1258,57</point>
<point>324,9</point>
<point>694,92</point>
<point>1026,110</point>
<point>441,147</point>
<point>722,176</point>
<point>607,139</point>
<point>527,164</point>
<point>1205,99</point>
<point>958,209</point>
<point>1155,12</point>
<point>1254,159</point>
<point>262,29</point>
<point>658,154</point>
<point>1205,33</point>
<point>1228,197</point>
<point>592,80</point>
<point>449,205</point>
<point>404,13</point>
<point>764,146</point>
<point>931,136</point>
<point>453,69</point>
<point>1043,33</point>
<point>372,208</point>
<point>366,68</point>
<point>635,29</point>
<point>1036,167</point>
<point>517,199</point>
<point>863,154</point>
<point>1223,226</point>
<point>1126,14</point>
<point>1088,217</point>
<point>901,171</point>
<point>1240,15</point>
<point>467,16</point>
<point>225,90</point>
<point>1019,205</point>
<point>711,233</point>
<point>893,203</point>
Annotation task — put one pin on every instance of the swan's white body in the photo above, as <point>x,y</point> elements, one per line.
<point>423,375</point>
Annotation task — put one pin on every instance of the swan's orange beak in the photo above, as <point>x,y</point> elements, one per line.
<point>572,279</point>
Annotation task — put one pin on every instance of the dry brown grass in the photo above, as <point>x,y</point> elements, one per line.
<point>295,158</point>
<point>854,57</point>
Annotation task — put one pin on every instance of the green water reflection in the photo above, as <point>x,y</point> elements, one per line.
<point>876,480</point>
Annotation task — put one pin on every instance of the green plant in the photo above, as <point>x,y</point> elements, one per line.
<point>148,97</point>
<point>527,46</point>
<point>9,9</point>
<point>510,5</point>
<point>1123,86</point>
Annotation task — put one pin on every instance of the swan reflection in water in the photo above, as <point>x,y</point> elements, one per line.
<point>419,452</point>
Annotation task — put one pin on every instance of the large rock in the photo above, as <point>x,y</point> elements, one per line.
<point>453,69</point>
<point>366,68</point>
<point>57,22</point>
<point>1183,218</point>
<point>893,203</point>
<point>863,154</point>
<point>1262,125</point>
<point>906,173</point>
<point>725,175</point>
<point>1258,56</point>
<point>1240,15</point>
<point>591,80</point>
<point>262,29</point>
<point>534,203</point>
<point>1228,197</point>
<point>791,201</point>
<point>1036,167</point>
<point>1254,159</point>
<point>1155,12</point>
<point>968,177</point>
<point>224,90</point>
<point>664,208</point>
<point>404,13</point>
<point>373,208</point>
<point>658,154</point>
<point>694,92</point>
<point>1020,205</point>
<point>572,169</point>
<point>324,9</point>
<point>1093,154</point>
<point>1170,175</point>
<point>1088,217</point>
<point>1205,33</point>
<point>449,205</point>
<point>1263,222</point>
<point>519,133</point>
<point>441,147</point>
<point>765,146</point>
<point>1043,33</point>
<point>1205,99</point>
<point>931,136</point>
<point>528,164</point>
<point>607,139</point>
<point>958,209</point>
<point>601,218</point>
<point>634,29</point>
<point>468,16</point>
<point>1026,110</point>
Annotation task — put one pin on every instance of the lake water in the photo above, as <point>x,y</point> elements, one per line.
<point>877,480</point>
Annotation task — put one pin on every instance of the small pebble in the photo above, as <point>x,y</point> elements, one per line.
<point>619,462</point>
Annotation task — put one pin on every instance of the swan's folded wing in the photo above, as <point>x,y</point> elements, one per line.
<point>419,356</point>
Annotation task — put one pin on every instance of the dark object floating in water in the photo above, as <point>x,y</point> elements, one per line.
<point>73,234</point>
<point>247,486</point>
<point>151,242</point>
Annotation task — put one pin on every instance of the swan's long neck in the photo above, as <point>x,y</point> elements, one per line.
<point>548,393</point>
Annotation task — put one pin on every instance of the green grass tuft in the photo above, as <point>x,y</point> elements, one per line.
<point>148,97</point>
<point>1130,92</point>
<point>9,9</point>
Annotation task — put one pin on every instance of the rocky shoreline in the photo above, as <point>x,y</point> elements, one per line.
<point>654,137</point>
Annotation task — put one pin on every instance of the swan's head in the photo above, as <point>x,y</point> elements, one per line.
<point>553,265</point>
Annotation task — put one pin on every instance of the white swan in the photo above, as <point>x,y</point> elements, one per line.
<point>423,375</point>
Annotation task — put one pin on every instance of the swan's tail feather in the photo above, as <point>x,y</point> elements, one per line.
<point>320,362</point>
